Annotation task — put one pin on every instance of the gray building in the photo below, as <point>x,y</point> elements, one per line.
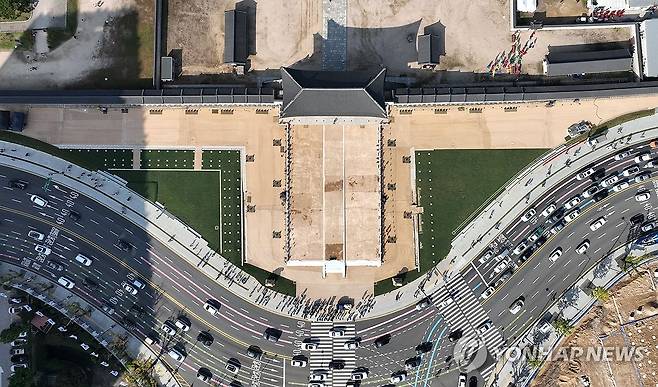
<point>649,45</point>
<point>428,49</point>
<point>588,62</point>
<point>235,37</point>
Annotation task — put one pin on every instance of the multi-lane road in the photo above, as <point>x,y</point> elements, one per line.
<point>175,288</point>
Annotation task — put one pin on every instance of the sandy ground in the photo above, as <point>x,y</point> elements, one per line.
<point>612,322</point>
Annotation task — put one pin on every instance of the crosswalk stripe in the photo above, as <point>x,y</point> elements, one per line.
<point>332,349</point>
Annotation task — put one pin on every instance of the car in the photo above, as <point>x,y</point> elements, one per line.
<point>204,375</point>
<point>642,196</point>
<point>455,335</point>
<point>549,210</point>
<point>486,256</point>
<point>15,300</point>
<point>83,259</point>
<point>610,181</point>
<point>536,233</point>
<point>558,227</point>
<point>124,245</point>
<point>573,202</point>
<point>176,354</point>
<point>572,215</point>
<point>15,367</point>
<point>412,363</point>
<point>598,174</point>
<point>528,215</point>
<point>55,265</point>
<point>205,338</point>
<point>622,155</point>
<point>138,283</point>
<point>318,376</point>
<point>502,265</point>
<point>520,247</point>
<point>212,306</point>
<point>38,200</point>
<point>316,384</point>
<point>232,366</point>
<point>637,219</point>
<point>650,164</point>
<point>272,334</point>
<point>19,358</point>
<point>382,340</point>
<point>648,226</point>
<point>640,157</point>
<point>525,255</point>
<point>517,305</point>
<point>41,249</point>
<point>14,309</point>
<point>423,348</point>
<point>74,215</point>
<point>504,277</point>
<point>583,174</point>
<point>310,344</point>
<point>359,374</point>
<point>20,184</point>
<point>591,191</point>
<point>337,364</point>
<point>18,342</point>
<point>621,186</point>
<point>337,332</point>
<point>351,344</point>
<point>445,302</point>
<point>169,328</point>
<point>555,254</point>
<point>36,235</point>
<point>461,381</point>
<point>255,352</point>
<point>183,323</point>
<point>631,170</point>
<point>582,247</point>
<point>600,195</point>
<point>422,304</point>
<point>597,223</point>
<point>398,377</point>
<point>642,177</point>
<point>485,326</point>
<point>557,215</point>
<point>126,286</point>
<point>487,292</point>
<point>298,361</point>
<point>545,327</point>
<point>17,351</point>
<point>67,283</point>
<point>23,334</point>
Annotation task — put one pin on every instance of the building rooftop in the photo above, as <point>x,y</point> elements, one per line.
<point>650,47</point>
<point>235,37</point>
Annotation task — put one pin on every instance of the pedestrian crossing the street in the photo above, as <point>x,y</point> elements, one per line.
<point>332,348</point>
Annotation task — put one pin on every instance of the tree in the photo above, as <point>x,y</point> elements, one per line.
<point>10,9</point>
<point>118,346</point>
<point>139,373</point>
<point>23,377</point>
<point>631,261</point>
<point>601,294</point>
<point>11,333</point>
<point>534,362</point>
<point>562,326</point>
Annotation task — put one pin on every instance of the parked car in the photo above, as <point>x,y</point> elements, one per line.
<point>17,121</point>
<point>486,256</point>
<point>590,191</point>
<point>622,155</point>
<point>18,359</point>
<point>549,209</point>
<point>644,156</point>
<point>487,293</point>
<point>18,342</point>
<point>584,174</point>
<point>17,351</point>
<point>600,195</point>
<point>169,328</point>
<point>621,186</point>
<point>648,226</point>
<point>642,177</point>
<point>15,367</point>
<point>611,180</point>
<point>176,354</point>
<point>520,247</point>
<point>573,202</point>
<point>572,215</point>
<point>631,170</point>
<point>14,309</point>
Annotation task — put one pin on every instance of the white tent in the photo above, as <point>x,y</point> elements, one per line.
<point>526,5</point>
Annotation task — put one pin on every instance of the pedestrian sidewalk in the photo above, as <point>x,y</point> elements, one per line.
<point>97,324</point>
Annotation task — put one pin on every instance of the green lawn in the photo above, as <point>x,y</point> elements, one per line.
<point>167,159</point>
<point>57,36</point>
<point>451,184</point>
<point>20,40</point>
<point>105,158</point>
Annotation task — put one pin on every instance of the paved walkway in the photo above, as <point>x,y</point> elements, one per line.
<point>334,32</point>
<point>47,14</point>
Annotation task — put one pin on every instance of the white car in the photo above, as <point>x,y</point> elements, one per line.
<point>631,170</point>
<point>176,354</point>
<point>36,235</point>
<point>621,186</point>
<point>38,200</point>
<point>582,247</point>
<point>572,215</point>
<point>648,227</point>
<point>528,215</point>
<point>298,363</point>
<point>642,196</point>
<point>84,260</point>
<point>336,332</point>
<point>15,367</point>
<point>589,192</point>
<point>516,306</point>
<point>318,376</point>
<point>445,302</point>
<point>41,249</point>
<point>487,256</point>
<point>573,202</point>
<point>501,266</point>
<point>651,164</point>
<point>611,180</point>
<point>549,210</point>
<point>126,286</point>
<point>520,247</point>
<point>310,345</point>
<point>487,293</point>
<point>182,324</point>
<point>399,377</point>
<point>642,177</point>
<point>138,284</point>
<point>586,173</point>
<point>211,306</point>
<point>557,228</point>
<point>14,309</point>
<point>644,156</point>
<point>545,327</point>
<point>232,367</point>
<point>67,283</point>
<point>555,254</point>
<point>169,328</point>
<point>351,344</point>
<point>485,326</point>
<point>622,155</point>
<point>461,380</point>
<point>359,374</point>
<point>597,223</point>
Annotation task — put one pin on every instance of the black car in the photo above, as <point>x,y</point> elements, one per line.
<point>74,215</point>
<point>473,381</point>
<point>600,196</point>
<point>423,347</point>
<point>90,283</point>
<point>336,364</point>
<point>455,335</point>
<point>255,352</point>
<point>205,338</point>
<point>557,215</point>
<point>412,363</point>
<point>55,265</point>
<point>598,174</point>
<point>19,359</point>
<point>123,245</point>
<point>382,340</point>
<point>204,374</point>
<point>637,218</point>
<point>272,334</point>
<point>20,184</point>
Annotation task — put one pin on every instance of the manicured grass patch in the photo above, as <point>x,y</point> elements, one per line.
<point>221,159</point>
<point>283,285</point>
<point>620,120</point>
<point>20,40</point>
<point>105,158</point>
<point>167,159</point>
<point>451,184</point>
<point>57,36</point>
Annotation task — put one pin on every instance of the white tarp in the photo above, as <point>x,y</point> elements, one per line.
<point>526,5</point>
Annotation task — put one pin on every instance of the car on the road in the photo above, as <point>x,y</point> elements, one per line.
<point>598,174</point>
<point>205,338</point>
<point>66,282</point>
<point>169,328</point>
<point>485,326</point>
<point>573,202</point>
<point>637,219</point>
<point>74,215</point>
<point>640,157</point>
<point>176,354</point>
<point>584,174</point>
<point>422,304</point>
<point>572,215</point>
<point>183,323</point>
<point>455,335</point>
<point>517,305</point>
<point>14,309</point>
<point>632,170</point>
<point>299,361</point>
<point>642,177</point>
<point>597,223</point>
<point>351,344</point>
<point>504,277</point>
<point>590,191</point>
<point>398,377</point>
<point>486,256</point>
<point>124,245</point>
<point>524,256</point>
<point>20,184</point>
<point>83,259</point>
<point>17,351</point>
<point>651,164</point>
<point>232,366</point>
<point>549,209</point>
<point>648,226</point>
<point>461,381</point>
<point>15,300</point>
<point>204,375</point>
<point>212,306</point>
<point>600,195</point>
<point>108,309</point>
<point>382,340</point>
<point>520,247</point>
<point>315,384</point>
<point>557,215</point>
<point>412,363</point>
<point>337,364</point>
<point>502,265</point>
<point>558,227</point>
<point>126,286</point>
<point>582,247</point>
<point>36,235</point>
<point>55,265</point>
<point>255,352</point>
<point>15,367</point>
<point>610,181</point>
<point>38,200</point>
<point>359,374</point>
<point>487,292</point>
<point>536,233</point>
<point>555,254</point>
<point>424,347</point>
<point>528,215</point>
<point>622,155</point>
<point>620,186</point>
<point>310,344</point>
<point>138,283</point>
<point>18,342</point>
<point>151,338</point>
<point>41,249</point>
<point>272,334</point>
<point>318,376</point>
<point>642,196</point>
<point>337,332</point>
